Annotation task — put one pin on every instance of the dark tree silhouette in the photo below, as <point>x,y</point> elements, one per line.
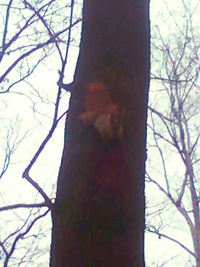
<point>98,218</point>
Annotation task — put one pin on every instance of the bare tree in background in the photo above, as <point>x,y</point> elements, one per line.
<point>174,132</point>
<point>32,34</point>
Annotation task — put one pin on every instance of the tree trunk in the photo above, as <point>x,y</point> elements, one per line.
<point>98,219</point>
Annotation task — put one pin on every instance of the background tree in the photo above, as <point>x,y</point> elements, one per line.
<point>98,219</point>
<point>33,34</point>
<point>174,132</point>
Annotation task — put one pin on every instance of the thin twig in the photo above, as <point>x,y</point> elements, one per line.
<point>171,239</point>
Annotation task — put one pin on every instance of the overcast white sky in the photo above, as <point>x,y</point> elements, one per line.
<point>13,106</point>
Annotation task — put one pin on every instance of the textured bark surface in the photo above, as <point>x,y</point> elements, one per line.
<point>98,219</point>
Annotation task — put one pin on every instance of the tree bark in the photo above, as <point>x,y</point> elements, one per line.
<point>98,218</point>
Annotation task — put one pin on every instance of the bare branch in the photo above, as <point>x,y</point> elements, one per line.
<point>33,50</point>
<point>21,236</point>
<point>51,33</point>
<point>154,231</point>
<point>54,124</point>
<point>6,26</point>
<point>16,36</point>
<point>177,205</point>
<point>23,206</point>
